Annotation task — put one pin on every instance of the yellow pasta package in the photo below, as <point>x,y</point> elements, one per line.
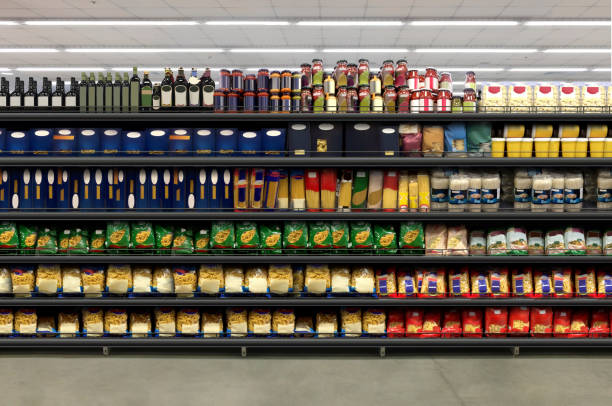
<point>327,324</point>
<point>212,324</point>
<point>185,280</point>
<point>236,319</point>
<point>188,322</point>
<point>140,324</point>
<point>211,279</point>
<point>119,279</point>
<point>283,322</point>
<point>480,283</point>
<point>165,322</point>
<point>48,279</point>
<point>93,322</point>
<point>280,279</point>
<point>116,322</point>
<point>413,193</point>
<point>6,322</point>
<point>68,324</point>
<point>374,322</point>
<point>350,322</point>
<point>317,279</point>
<point>260,322</point>
<point>25,321</point>
<point>585,282</point>
<point>403,192</point>
<point>424,192</point>
<point>433,283</point>
<point>459,282</point>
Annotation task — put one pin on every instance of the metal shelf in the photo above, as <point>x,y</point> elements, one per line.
<point>288,301</point>
<point>299,259</point>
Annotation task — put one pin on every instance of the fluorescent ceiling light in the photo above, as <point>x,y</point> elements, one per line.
<point>548,69</point>
<point>568,23</point>
<point>4,22</point>
<point>577,51</point>
<point>280,68</point>
<point>465,23</point>
<point>601,69</point>
<point>143,50</point>
<point>470,69</point>
<point>345,23</point>
<point>366,50</point>
<point>129,69</point>
<point>234,22</point>
<point>272,50</point>
<point>110,22</point>
<point>477,50</point>
<point>57,69</point>
<point>28,50</point>
<point>6,73</point>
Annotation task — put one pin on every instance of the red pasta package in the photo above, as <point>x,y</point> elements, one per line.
<point>395,324</point>
<point>579,328</point>
<point>414,322</point>
<point>431,324</point>
<point>496,321</point>
<point>518,321</point>
<point>562,281</point>
<point>562,321</point>
<point>451,326</point>
<point>600,324</point>
<point>471,320</point>
<point>541,322</point>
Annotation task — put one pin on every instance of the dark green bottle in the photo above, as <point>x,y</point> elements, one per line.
<point>108,93</point>
<point>100,93</point>
<point>146,92</point>
<point>134,91</point>
<point>83,93</point>
<point>117,93</point>
<point>91,93</point>
<point>125,93</point>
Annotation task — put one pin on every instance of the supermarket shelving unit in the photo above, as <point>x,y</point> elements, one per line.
<point>197,119</point>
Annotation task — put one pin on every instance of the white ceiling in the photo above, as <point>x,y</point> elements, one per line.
<point>292,36</point>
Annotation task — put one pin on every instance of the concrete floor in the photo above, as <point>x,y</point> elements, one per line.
<point>443,379</point>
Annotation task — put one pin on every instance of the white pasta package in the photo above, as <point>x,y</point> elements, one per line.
<point>116,322</point>
<point>327,324</point>
<point>211,280</point>
<point>188,322</point>
<point>236,319</point>
<point>520,97</point>
<point>280,279</point>
<point>457,241</point>
<point>93,322</point>
<point>569,98</point>
<point>212,324</point>
<point>494,98</point>
<point>256,280</point>
<point>6,285</point>
<point>340,279</point>
<point>374,322</point>
<point>317,279</point>
<point>593,97</point>
<point>283,322</point>
<point>25,322</point>
<point>140,324</point>
<point>6,322</point>
<point>163,281</point>
<point>93,280</point>
<point>234,279</point>
<point>350,322</point>
<point>490,191</point>
<point>363,280</point>
<point>142,279</point>
<point>48,279</point>
<point>68,324</point>
<point>185,280</point>
<point>260,322</point>
<point>119,279</point>
<point>71,280</point>
<point>458,186</point>
<point>165,322</point>
<point>435,239</point>
<point>546,97</point>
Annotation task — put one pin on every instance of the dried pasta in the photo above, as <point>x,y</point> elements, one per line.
<point>25,321</point>
<point>165,322</point>
<point>304,326</point>
<point>185,280</point>
<point>234,279</point>
<point>46,326</point>
<point>350,319</point>
<point>458,282</point>
<point>188,322</point>
<point>6,322</point>
<point>260,322</point>
<point>385,282</point>
<point>298,279</point>
<point>71,279</point>
<point>93,280</point>
<point>48,279</point>
<point>280,279</point>
<point>283,321</point>
<point>142,279</point>
<point>236,319</point>
<point>119,279</point>
<point>406,284</point>
<point>434,283</point>
<point>93,322</point>
<point>211,279</point>
<point>163,282</point>
<point>256,280</point>
<point>480,283</point>
<point>6,286</point>
<point>22,280</point>
<point>340,279</point>
<point>140,324</point>
<point>362,280</point>
<point>116,322</point>
<point>327,324</point>
<point>585,282</point>
<point>68,324</point>
<point>374,322</point>
<point>211,324</point>
<point>317,279</point>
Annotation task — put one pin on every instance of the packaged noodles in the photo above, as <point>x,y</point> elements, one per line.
<point>270,239</point>
<point>340,235</point>
<point>406,283</point>
<point>385,282</point>
<point>374,322</point>
<point>212,324</point>
<point>360,189</point>
<point>574,241</point>
<point>68,324</point>
<point>140,324</point>
<point>481,284</point>
<point>119,279</point>
<point>188,322</point>
<point>522,283</point>
<point>71,280</point>
<point>48,279</point>
<point>555,242</point>
<point>312,187</point>
<point>478,242</point>
<point>593,242</point>
<point>283,322</point>
<point>163,280</point>
<point>211,279</point>
<point>93,280</point>
<point>22,279</point>
<point>496,243</point>
<point>236,319</point>
<point>362,280</point>
<point>25,321</point>
<point>260,322</point>
<point>280,279</point>
<point>185,280</point>
<point>93,321</point>
<point>317,279</point>
<point>328,185</point>
<point>327,324</point>
<point>345,190</point>
<point>282,201</point>
<point>350,319</point>
<point>585,282</point>
<point>535,242</point>
<point>6,286</point>
<point>390,185</point>
<point>340,279</point>
<point>142,277</point>
<point>234,279</point>
<point>298,190</point>
<point>459,282</point>
<point>385,239</point>
<point>165,322</point>
<point>116,322</point>
<point>411,238</point>
<point>498,279</point>
<point>424,192</point>
<point>320,237</point>
<point>256,188</point>
<point>375,189</point>
<point>435,239</point>
<point>413,193</point>
<point>403,192</point>
<point>256,280</point>
<point>517,241</point>
<point>457,241</point>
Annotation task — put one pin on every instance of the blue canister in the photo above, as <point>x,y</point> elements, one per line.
<point>180,141</point>
<point>200,179</point>
<point>213,189</point>
<point>110,141</point>
<point>41,140</point>
<point>59,194</point>
<point>227,190</point>
<point>178,188</point>
<point>116,184</point>
<point>203,141</point>
<point>155,189</point>
<point>64,141</point>
<point>18,143</point>
<point>2,140</point>
<point>137,189</point>
<point>5,189</point>
<point>157,141</point>
<point>226,141</point>
<point>25,198</point>
<point>39,189</point>
<point>273,142</point>
<point>134,142</point>
<point>88,141</point>
<point>166,185</point>
<point>249,143</point>
<point>99,189</point>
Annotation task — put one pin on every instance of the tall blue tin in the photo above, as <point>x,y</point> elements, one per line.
<point>110,141</point>
<point>41,140</point>
<point>18,143</point>
<point>273,142</point>
<point>88,141</point>
<point>226,141</point>
<point>157,141</point>
<point>180,141</point>
<point>134,142</point>
<point>249,143</point>
<point>64,141</point>
<point>204,141</point>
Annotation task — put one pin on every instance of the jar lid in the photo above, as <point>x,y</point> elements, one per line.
<point>263,70</point>
<point>402,61</point>
<point>363,60</point>
<point>469,90</point>
<point>307,87</point>
<point>250,76</point>
<point>236,71</point>
<point>390,87</point>
<point>305,65</point>
<point>445,73</point>
<point>275,72</point>
<point>225,71</point>
<point>341,61</point>
<point>341,87</point>
<point>317,60</point>
<point>469,73</point>
<point>387,61</point>
<point>430,68</point>
<point>286,71</point>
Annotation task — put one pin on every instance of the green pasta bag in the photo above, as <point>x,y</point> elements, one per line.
<point>164,235</point>
<point>47,241</point>
<point>247,236</point>
<point>412,238</point>
<point>340,235</point>
<point>202,240</point>
<point>183,241</point>
<point>385,239</point>
<point>118,235</point>
<point>97,241</point>
<point>64,241</point>
<point>295,237</point>
<point>222,235</point>
<point>319,236</point>
<point>270,239</point>
<point>27,238</point>
<point>361,236</point>
<point>8,235</point>
<point>78,244</point>
<point>142,236</point>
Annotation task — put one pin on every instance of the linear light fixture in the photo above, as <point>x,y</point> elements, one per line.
<point>129,69</point>
<point>6,73</point>
<point>568,23</point>
<point>470,69</point>
<point>366,50</point>
<point>143,50</point>
<point>28,50</point>
<point>253,22</point>
<point>272,50</point>
<point>548,69</point>
<point>577,51</point>
<point>476,50</point>
<point>5,22</point>
<point>464,23</point>
<point>110,22</point>
<point>57,69</point>
<point>600,70</point>
<point>279,68</point>
<point>347,23</point>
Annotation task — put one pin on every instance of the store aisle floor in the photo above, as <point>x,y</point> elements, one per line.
<point>448,379</point>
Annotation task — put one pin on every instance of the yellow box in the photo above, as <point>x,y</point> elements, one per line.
<point>541,147</point>
<point>596,146</point>
<point>553,147</point>
<point>582,145</point>
<point>597,131</point>
<point>608,148</point>
<point>498,147</point>
<point>542,130</point>
<point>568,147</point>
<point>527,148</point>
<point>513,145</point>
<point>514,131</point>
<point>569,130</point>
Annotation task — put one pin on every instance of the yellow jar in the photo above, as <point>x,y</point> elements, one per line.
<point>513,145</point>
<point>582,145</point>
<point>568,147</point>
<point>553,147</point>
<point>498,147</point>
<point>526,147</point>
<point>541,147</point>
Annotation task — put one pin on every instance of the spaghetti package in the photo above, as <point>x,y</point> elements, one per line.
<point>562,281</point>
<point>414,322</point>
<point>562,319</point>
<point>326,324</point>
<point>350,322</point>
<point>345,188</point>
<point>360,190</point>
<point>579,327</point>
<point>604,283</point>
<point>317,279</point>
<point>403,192</point>
<point>459,282</point>
<point>212,324</point>
<point>71,280</point>
<point>541,322</point>
<point>451,324</point>
<point>431,324</point>
<point>375,189</point>
<point>481,284</point>
<point>543,284</point>
<point>457,241</point>
<point>518,321</point>
<point>374,322</point>
<point>434,283</point>
<point>119,279</point>
<point>496,321</point>
<point>340,279</point>
<point>312,187</point>
<point>116,322</point>
<point>68,324</point>
<point>211,279</point>
<point>165,322</point>
<point>297,190</point>
<point>406,283</point>
<point>411,238</point>
<point>283,322</point>
<point>522,282</point>
<point>256,280</point>
<point>498,279</point>
<point>435,239</point>
<point>280,279</point>
<point>142,279</point>
<point>362,280</point>
<point>390,185</point>
<point>600,324</point>
<point>48,279</point>
<point>140,324</point>
<point>385,282</point>
<point>585,282</point>
<point>471,320</point>
<point>395,324</point>
<point>328,183</point>
<point>234,279</point>
<point>188,322</point>
<point>163,280</point>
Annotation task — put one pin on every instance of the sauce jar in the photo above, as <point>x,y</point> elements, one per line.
<point>306,75</point>
<point>375,85</point>
<point>296,81</point>
<point>415,95</point>
<point>331,104</point>
<point>275,103</point>
<point>342,99</point>
<point>469,100</point>
<point>237,81</point>
<point>403,99</point>
<point>413,79</point>
<point>225,80</point>
<point>286,78</point>
<point>219,102</point>
<point>306,100</point>
<point>401,70</point>
<point>443,102</point>
<point>364,99</point>
<point>232,102</point>
<point>363,72</point>
<point>421,82</point>
<point>275,82</point>
<point>457,105</point>
<point>296,101</point>
<point>250,83</point>
<point>377,103</point>
<point>387,75</point>
<point>426,101</point>
<point>286,102</point>
<point>318,99</point>
<point>249,102</point>
<point>431,79</point>
<point>470,80</point>
<point>351,75</point>
<point>317,72</point>
<point>446,81</point>
<point>263,101</point>
<point>263,80</point>
<point>329,85</point>
<point>353,100</point>
<point>340,73</point>
<point>389,99</point>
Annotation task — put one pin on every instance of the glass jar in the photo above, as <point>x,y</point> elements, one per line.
<point>237,81</point>
<point>275,103</point>
<point>219,102</point>
<point>342,98</point>
<point>232,102</point>
<point>263,102</point>
<point>363,71</point>
<point>431,79</point>
<point>225,80</point>
<point>250,83</point>
<point>286,78</point>
<point>331,104</point>
<point>296,101</point>
<point>377,103</point>
<point>415,95</point>
<point>413,79</point>
<point>306,100</point>
<point>286,102</point>
<point>318,99</point>
<point>296,81</point>
<point>443,101</point>
<point>389,99</point>
<point>375,85</point>
<point>340,73</point>
<point>329,85</point>
<point>470,80</point>
<point>275,82</point>
<point>446,81</point>
<point>403,99</point>
<point>263,80</point>
<point>364,99</point>
<point>457,105</point>
<point>353,100</point>
<point>317,72</point>
<point>351,75</point>
<point>426,101</point>
<point>421,82</point>
<point>306,75</point>
<point>469,100</point>
<point>249,102</point>
<point>387,73</point>
<point>401,70</point>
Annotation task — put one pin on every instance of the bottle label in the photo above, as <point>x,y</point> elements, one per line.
<point>166,96</point>
<point>70,101</point>
<point>56,101</point>
<point>180,96</point>
<point>194,95</point>
<point>15,101</point>
<point>208,96</point>
<point>522,195</point>
<point>573,196</point>
<point>28,101</point>
<point>3,101</point>
<point>490,196</point>
<point>146,96</point>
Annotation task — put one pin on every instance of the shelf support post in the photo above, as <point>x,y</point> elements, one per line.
<point>243,352</point>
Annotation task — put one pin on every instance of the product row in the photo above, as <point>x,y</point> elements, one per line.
<point>348,322</point>
<point>314,279</point>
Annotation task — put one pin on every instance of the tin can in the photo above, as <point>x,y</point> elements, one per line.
<point>403,99</point>
<point>275,103</point>
<point>363,72</point>
<point>377,103</point>
<point>364,99</point>
<point>387,75</point>
<point>306,75</point>
<point>401,70</point>
<point>415,95</point>
<point>443,101</point>
<point>318,99</point>
<point>286,78</point>
<point>249,102</point>
<point>296,81</point>
<point>263,101</point>
<point>263,80</point>
<point>219,101</point>
<point>342,99</point>
<point>237,81</point>
<point>232,102</point>
<point>275,82</point>
<point>389,99</point>
<point>296,101</point>
<point>286,102</point>
<point>351,75</point>
<point>225,80</point>
<point>331,103</point>
<point>306,100</point>
<point>250,83</point>
<point>329,85</point>
<point>426,101</point>
<point>413,79</point>
<point>375,85</point>
<point>353,100</point>
<point>340,73</point>
<point>317,72</point>
<point>431,79</point>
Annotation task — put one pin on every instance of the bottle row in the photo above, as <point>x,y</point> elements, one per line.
<point>298,280</point>
<point>408,322</point>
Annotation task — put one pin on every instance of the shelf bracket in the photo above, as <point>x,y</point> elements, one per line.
<point>106,351</point>
<point>382,352</point>
<point>516,351</point>
<point>243,352</point>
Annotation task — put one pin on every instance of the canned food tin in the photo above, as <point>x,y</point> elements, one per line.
<point>237,81</point>
<point>275,81</point>
<point>263,101</point>
<point>286,103</point>
<point>275,103</point>
<point>225,80</point>
<point>249,102</point>
<point>250,83</point>
<point>263,80</point>
<point>286,78</point>
<point>219,101</point>
<point>232,102</point>
<point>296,81</point>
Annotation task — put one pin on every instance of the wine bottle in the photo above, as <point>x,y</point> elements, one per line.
<point>29,98</point>
<point>16,98</point>
<point>180,89</point>
<point>100,93</point>
<point>166,89</point>
<point>91,93</point>
<point>134,90</point>
<point>117,93</point>
<point>83,98</point>
<point>108,92</point>
<point>4,93</point>
<point>146,92</point>
<point>125,93</point>
<point>208,89</point>
<point>156,96</point>
<point>57,97</point>
<point>44,97</point>
<point>71,99</point>
<point>194,88</point>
